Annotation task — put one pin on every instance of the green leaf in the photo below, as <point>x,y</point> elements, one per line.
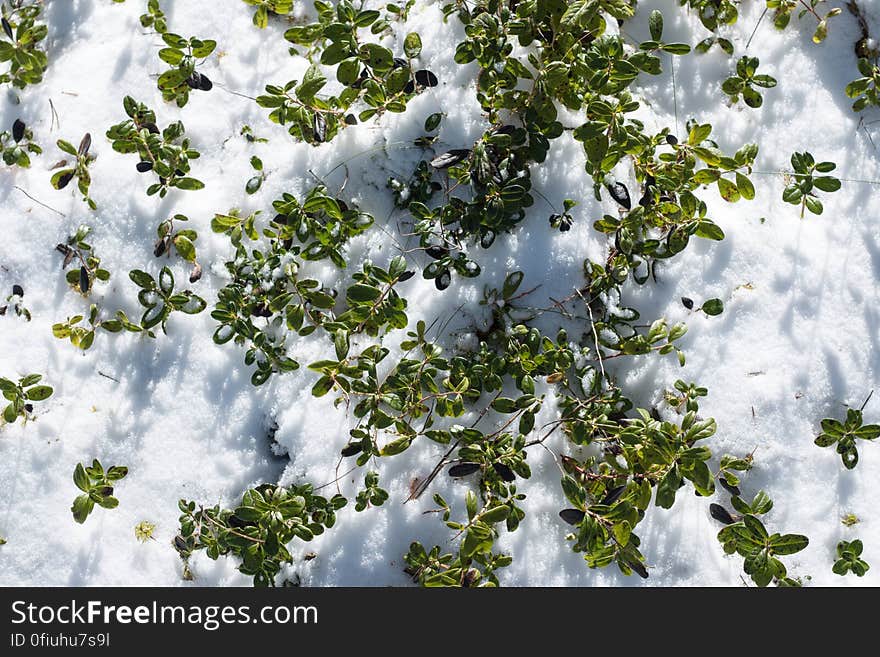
<point>188,183</point>
<point>755,527</point>
<point>360,293</point>
<point>67,147</point>
<point>745,186</point>
<point>185,248</point>
<point>82,507</point>
<point>80,478</point>
<point>813,204</point>
<point>261,17</point>
<point>412,45</point>
<point>39,393</point>
<point>504,405</point>
<point>313,81</point>
<point>655,25</point>
<point>789,543</point>
<point>826,183</point>
<point>667,488</point>
<point>729,191</point>
<point>396,446</point>
<point>378,58</point>
<point>713,307</point>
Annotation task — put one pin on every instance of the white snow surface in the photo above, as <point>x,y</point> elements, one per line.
<point>797,342</point>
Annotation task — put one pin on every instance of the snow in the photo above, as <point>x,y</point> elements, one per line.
<point>798,340</point>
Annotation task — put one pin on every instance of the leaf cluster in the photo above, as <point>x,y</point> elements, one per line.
<point>97,486</point>
<point>258,531</point>
<point>20,43</point>
<point>20,396</point>
<point>17,145</point>
<point>167,153</point>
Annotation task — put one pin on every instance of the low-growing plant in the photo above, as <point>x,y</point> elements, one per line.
<point>248,133</point>
<point>747,536</point>
<point>475,562</point>
<point>184,56</point>
<point>256,181</point>
<point>97,487</point>
<point>166,153</point>
<point>564,221</point>
<point>419,187</point>
<point>82,336</point>
<point>373,304</point>
<point>843,436</point>
<point>265,299</point>
<point>21,396</point>
<point>714,13</point>
<point>684,397</point>
<point>181,241</point>
<point>80,169</point>
<point>531,62</point>
<point>16,302</point>
<point>369,72</point>
<point>160,300</point>
<point>727,470</point>
<point>321,223</point>
<point>865,90</point>
<point>17,145</point>
<point>266,7</point>
<point>372,494</point>
<point>744,82</point>
<point>783,10</point>
<point>258,531</point>
<point>20,42</point>
<point>804,181</point>
<point>87,265</point>
<point>706,44</point>
<point>849,559</point>
<point>718,13</point>
<point>154,17</point>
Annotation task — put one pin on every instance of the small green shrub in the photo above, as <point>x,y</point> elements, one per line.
<point>368,72</point>
<point>83,336</point>
<point>181,241</point>
<point>747,536</point>
<point>184,56</point>
<point>86,264</point>
<point>97,487</point>
<point>160,300</point>
<point>258,531</point>
<point>154,17</point>
<point>865,91</point>
<point>80,169</point>
<point>744,83</point>
<point>21,396</point>
<point>848,559</point>
<point>266,7</point>
<point>804,182</point>
<point>20,42</point>
<point>16,302</point>
<point>844,435</point>
<point>17,145</point>
<point>166,153</point>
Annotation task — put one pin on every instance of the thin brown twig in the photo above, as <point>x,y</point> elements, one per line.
<point>48,207</point>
